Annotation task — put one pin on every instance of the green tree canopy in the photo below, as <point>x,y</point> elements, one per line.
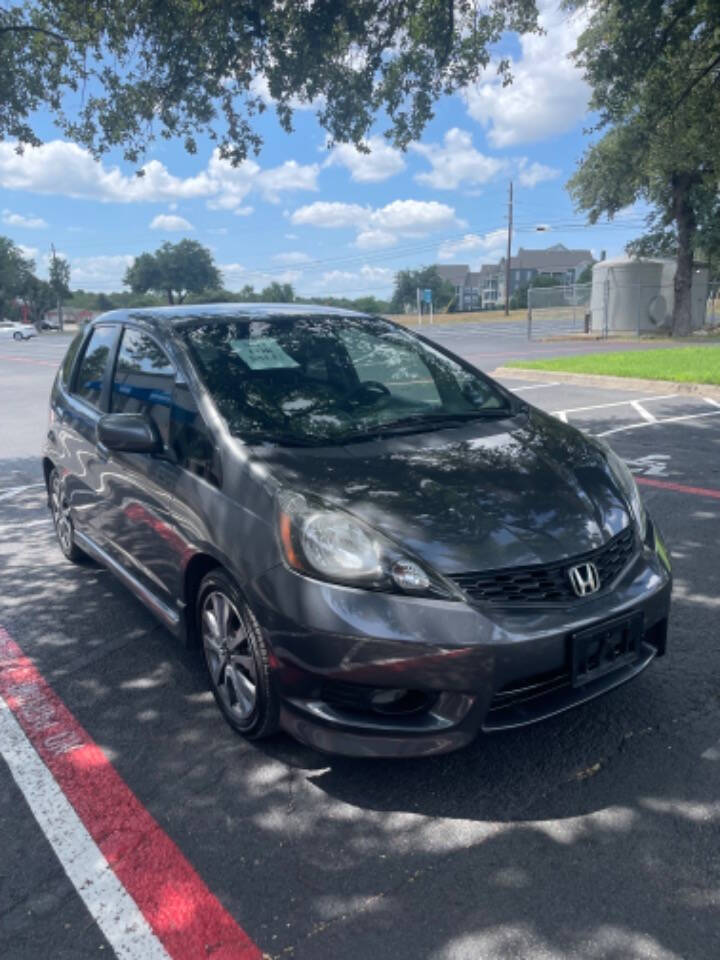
<point>119,74</point>
<point>15,273</point>
<point>654,69</point>
<point>175,270</point>
<point>407,283</point>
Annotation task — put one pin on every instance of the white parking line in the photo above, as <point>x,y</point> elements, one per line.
<point>107,900</point>
<point>713,403</point>
<point>615,403</point>
<point>7,494</point>
<point>634,426</point>
<point>645,414</point>
<point>537,386</point>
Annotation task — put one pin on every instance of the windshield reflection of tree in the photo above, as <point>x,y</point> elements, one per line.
<point>318,397</point>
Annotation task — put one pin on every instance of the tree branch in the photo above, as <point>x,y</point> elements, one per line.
<point>691,86</point>
<point>26,28</point>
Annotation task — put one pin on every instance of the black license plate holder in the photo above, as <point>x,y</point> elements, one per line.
<point>605,648</point>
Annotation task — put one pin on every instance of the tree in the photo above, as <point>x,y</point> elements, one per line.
<point>407,283</point>
<point>15,271</point>
<point>654,69</point>
<point>59,282</point>
<point>38,297</point>
<point>278,293</point>
<point>176,270</point>
<point>194,67</point>
<point>519,299</point>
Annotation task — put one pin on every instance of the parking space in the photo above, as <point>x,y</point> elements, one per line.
<point>593,834</point>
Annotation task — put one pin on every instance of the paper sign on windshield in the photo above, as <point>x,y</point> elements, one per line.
<point>263,353</point>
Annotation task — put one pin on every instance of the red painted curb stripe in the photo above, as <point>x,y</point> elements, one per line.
<point>184,915</point>
<point>678,487</point>
<point>34,360</point>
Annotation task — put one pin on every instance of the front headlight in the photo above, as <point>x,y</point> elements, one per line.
<point>327,543</point>
<point>626,482</point>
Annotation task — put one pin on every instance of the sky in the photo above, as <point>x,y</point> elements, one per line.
<point>332,222</point>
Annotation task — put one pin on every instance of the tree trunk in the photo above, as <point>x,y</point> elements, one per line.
<point>61,326</point>
<point>686,228</point>
<point>171,299</point>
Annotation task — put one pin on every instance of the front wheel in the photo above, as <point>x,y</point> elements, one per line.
<point>62,521</point>
<point>237,658</point>
<point>17,335</point>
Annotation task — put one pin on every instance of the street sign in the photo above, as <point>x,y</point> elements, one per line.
<point>427,296</point>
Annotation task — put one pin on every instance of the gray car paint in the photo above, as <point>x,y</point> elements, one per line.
<point>485,495</point>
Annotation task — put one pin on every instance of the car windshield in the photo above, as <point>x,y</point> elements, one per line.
<point>333,379</point>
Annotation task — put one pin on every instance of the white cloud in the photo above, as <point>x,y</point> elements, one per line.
<point>291,236</point>
<point>236,275</point>
<point>381,226</point>
<point>292,256</point>
<point>259,86</point>
<point>170,223</point>
<point>325,214</point>
<point>29,253</point>
<point>219,231</point>
<point>489,245</point>
<point>455,162</point>
<point>375,239</point>
<point>102,273</point>
<point>243,211</point>
<point>381,162</point>
<point>533,173</point>
<point>368,279</point>
<point>548,95</point>
<point>63,168</point>
<point>18,220</point>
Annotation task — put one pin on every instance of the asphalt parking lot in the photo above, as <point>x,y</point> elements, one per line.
<point>593,835</point>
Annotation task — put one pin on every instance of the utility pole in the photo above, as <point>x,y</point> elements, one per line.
<point>58,291</point>
<point>509,248</point>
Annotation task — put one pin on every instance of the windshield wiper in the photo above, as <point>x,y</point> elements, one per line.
<point>416,424</point>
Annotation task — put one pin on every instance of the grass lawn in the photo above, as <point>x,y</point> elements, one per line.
<point>681,364</point>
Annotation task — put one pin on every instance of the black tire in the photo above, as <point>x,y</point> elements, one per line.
<point>17,335</point>
<point>237,657</point>
<point>62,521</point>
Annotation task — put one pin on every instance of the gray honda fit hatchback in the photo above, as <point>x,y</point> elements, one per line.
<point>377,547</point>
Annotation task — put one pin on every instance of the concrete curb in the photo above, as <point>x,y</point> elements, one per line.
<point>609,383</point>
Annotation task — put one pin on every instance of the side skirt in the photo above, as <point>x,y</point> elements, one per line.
<point>171,618</point>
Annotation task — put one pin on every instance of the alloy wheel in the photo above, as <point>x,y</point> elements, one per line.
<point>226,642</point>
<point>60,510</point>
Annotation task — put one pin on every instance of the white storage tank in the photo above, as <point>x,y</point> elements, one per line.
<point>637,296</point>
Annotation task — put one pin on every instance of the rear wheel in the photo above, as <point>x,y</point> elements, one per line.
<point>60,509</point>
<point>17,335</point>
<point>237,658</point>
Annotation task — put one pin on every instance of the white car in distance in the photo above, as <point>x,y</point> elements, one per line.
<point>12,330</point>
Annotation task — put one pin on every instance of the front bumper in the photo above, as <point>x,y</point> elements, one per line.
<point>466,668</point>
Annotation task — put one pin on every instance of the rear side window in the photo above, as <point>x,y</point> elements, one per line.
<point>144,380</point>
<point>67,364</point>
<point>91,373</point>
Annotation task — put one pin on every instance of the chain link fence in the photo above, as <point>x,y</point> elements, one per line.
<point>572,309</point>
<point>558,311</point>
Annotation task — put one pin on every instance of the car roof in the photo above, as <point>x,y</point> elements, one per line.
<point>168,317</point>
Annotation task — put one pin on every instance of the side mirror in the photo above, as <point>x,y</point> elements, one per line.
<point>129,433</point>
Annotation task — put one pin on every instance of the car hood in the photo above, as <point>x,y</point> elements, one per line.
<point>486,495</point>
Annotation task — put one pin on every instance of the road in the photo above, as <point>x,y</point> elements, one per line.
<point>591,835</point>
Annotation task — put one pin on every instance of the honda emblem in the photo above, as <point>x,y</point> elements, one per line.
<point>585,579</point>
